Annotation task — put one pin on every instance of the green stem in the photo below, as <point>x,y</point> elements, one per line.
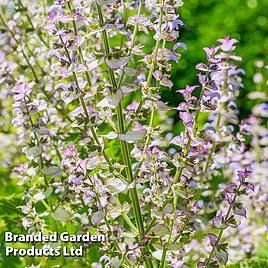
<point>104,211</point>
<point>47,96</point>
<point>26,43</point>
<point>123,144</point>
<point>178,174</point>
<point>50,203</point>
<point>180,169</point>
<point>150,225</point>
<point>214,144</point>
<point>82,102</point>
<point>152,112</point>
<point>180,233</point>
<point>31,23</point>
<point>222,230</point>
<point>35,135</point>
<point>125,23</point>
<point>80,52</point>
<point>164,254</point>
<point>147,141</point>
<point>130,124</point>
<point>150,74</point>
<point>44,7</point>
<point>163,258</point>
<point>135,32</point>
<point>151,70</point>
<point>127,219</point>
<point>18,44</point>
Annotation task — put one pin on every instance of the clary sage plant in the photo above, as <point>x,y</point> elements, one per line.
<point>101,152</point>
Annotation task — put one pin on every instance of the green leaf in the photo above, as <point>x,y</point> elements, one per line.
<point>60,214</point>
<point>132,136</point>
<point>116,185</point>
<point>221,255</point>
<point>160,230</point>
<point>52,171</point>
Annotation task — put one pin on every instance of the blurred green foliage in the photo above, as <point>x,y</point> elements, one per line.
<point>259,263</point>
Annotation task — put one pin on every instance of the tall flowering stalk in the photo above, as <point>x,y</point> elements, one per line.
<point>100,153</point>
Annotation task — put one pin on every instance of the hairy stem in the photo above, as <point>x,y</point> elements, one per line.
<point>222,230</point>
<point>80,52</point>
<point>104,211</point>
<point>24,55</point>
<point>135,32</point>
<point>123,144</point>
<point>31,23</point>
<point>214,144</point>
<point>41,164</point>
<point>178,174</point>
<point>82,102</point>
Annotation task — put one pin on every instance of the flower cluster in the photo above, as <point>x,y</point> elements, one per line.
<point>100,151</point>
